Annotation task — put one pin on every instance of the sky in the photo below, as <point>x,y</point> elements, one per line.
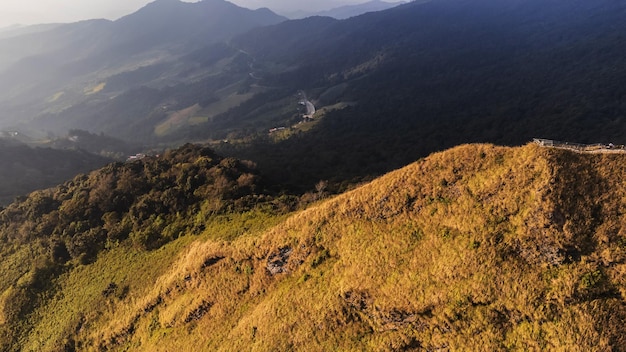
<point>54,11</point>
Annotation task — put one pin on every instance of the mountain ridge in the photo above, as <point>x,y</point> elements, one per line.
<point>347,11</point>
<point>474,247</point>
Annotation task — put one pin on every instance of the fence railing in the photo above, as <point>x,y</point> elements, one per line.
<point>590,148</point>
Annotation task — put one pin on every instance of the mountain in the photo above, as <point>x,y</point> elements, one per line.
<point>478,248</point>
<point>18,30</point>
<point>388,87</point>
<point>51,70</point>
<point>47,69</point>
<point>348,11</point>
<point>402,83</point>
<point>166,22</point>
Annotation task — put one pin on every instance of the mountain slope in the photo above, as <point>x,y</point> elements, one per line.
<point>51,70</point>
<point>348,11</point>
<point>135,207</point>
<point>478,247</point>
<point>405,82</point>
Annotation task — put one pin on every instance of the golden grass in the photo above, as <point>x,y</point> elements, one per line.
<point>475,248</point>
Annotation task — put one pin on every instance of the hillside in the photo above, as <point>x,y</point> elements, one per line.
<point>402,83</point>
<point>97,144</point>
<point>124,211</point>
<point>348,11</point>
<point>475,248</point>
<point>49,69</point>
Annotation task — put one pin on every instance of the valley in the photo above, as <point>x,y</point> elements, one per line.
<point>396,85</point>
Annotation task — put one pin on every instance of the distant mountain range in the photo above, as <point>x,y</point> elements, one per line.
<point>348,11</point>
<point>24,169</point>
<point>49,69</point>
<point>405,82</point>
<point>18,30</point>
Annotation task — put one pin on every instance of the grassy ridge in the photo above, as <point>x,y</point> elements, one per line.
<point>475,248</point>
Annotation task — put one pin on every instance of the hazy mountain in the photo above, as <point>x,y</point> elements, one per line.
<point>477,248</point>
<point>178,26</point>
<point>51,70</point>
<point>348,11</point>
<point>289,8</point>
<point>18,30</point>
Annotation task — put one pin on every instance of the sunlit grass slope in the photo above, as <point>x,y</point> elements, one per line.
<point>478,248</point>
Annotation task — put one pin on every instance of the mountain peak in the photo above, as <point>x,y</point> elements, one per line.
<point>162,3</point>
<point>185,23</point>
<point>352,10</point>
<point>161,7</point>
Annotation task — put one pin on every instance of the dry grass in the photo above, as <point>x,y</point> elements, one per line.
<point>476,248</point>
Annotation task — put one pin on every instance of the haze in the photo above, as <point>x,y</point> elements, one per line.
<point>62,11</point>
